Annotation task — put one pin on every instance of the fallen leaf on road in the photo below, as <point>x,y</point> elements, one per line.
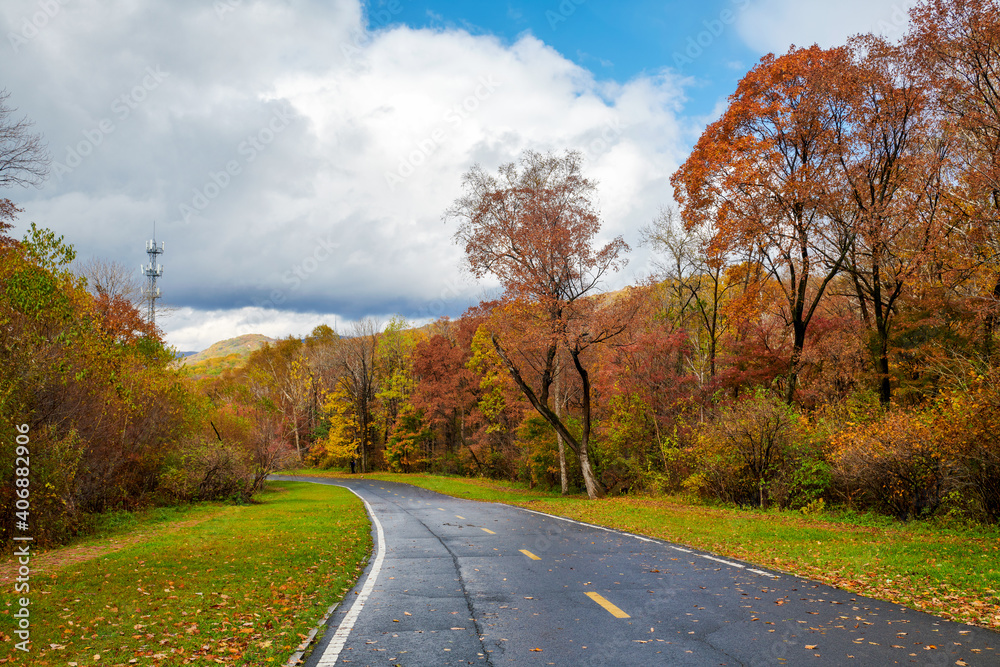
<point>811,646</point>
<point>536,649</point>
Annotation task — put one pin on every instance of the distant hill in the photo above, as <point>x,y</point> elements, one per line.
<point>224,355</point>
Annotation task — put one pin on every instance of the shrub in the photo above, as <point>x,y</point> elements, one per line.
<point>210,471</point>
<point>968,424</point>
<point>741,454</point>
<point>893,465</point>
<point>54,513</point>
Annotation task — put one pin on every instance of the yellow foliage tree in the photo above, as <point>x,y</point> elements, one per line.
<point>341,442</point>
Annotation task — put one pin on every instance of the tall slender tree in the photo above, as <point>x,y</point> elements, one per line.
<point>760,177</point>
<point>532,226</point>
<point>892,156</point>
<point>958,42</point>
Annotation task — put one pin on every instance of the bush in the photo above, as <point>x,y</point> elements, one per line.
<point>968,425</point>
<point>742,453</point>
<point>893,465</point>
<point>54,513</point>
<point>210,471</point>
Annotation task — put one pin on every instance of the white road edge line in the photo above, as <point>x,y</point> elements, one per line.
<point>336,644</point>
<point>724,562</point>
<point>647,539</point>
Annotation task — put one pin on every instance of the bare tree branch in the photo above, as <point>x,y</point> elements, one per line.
<point>24,159</point>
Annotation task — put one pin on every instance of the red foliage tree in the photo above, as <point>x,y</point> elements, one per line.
<point>532,226</point>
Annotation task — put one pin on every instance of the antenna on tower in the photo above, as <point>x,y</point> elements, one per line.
<point>152,271</point>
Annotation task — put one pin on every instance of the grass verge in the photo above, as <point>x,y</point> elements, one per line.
<point>950,572</point>
<point>230,584</point>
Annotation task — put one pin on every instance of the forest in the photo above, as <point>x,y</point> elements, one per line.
<point>820,330</point>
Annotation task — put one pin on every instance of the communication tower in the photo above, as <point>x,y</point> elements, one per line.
<point>152,271</point>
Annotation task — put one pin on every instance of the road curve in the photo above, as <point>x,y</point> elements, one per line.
<point>460,582</point>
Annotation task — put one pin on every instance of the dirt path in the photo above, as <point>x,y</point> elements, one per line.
<point>57,559</point>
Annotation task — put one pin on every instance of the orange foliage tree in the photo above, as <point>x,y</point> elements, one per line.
<point>958,43</point>
<point>760,177</point>
<point>532,226</point>
<point>891,156</point>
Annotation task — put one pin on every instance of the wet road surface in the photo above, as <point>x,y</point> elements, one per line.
<point>460,582</point>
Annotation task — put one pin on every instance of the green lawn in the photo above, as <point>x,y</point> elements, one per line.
<point>232,584</point>
<point>954,573</point>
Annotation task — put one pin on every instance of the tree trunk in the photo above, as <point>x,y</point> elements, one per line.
<point>594,488</point>
<point>563,479</point>
<point>882,363</point>
<point>799,329</point>
<point>881,312</point>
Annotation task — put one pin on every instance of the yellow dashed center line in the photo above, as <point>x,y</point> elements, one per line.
<point>613,610</point>
<point>530,555</point>
<point>460,517</point>
<point>489,531</point>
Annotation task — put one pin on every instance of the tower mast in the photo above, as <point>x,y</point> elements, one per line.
<point>152,271</point>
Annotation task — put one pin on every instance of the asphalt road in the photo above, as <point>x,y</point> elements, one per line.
<point>460,582</point>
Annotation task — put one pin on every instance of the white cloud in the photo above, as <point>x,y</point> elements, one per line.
<point>772,26</point>
<point>318,159</point>
<point>193,330</point>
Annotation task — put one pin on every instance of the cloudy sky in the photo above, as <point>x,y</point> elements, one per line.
<point>296,156</point>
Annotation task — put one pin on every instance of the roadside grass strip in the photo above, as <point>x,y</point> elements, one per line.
<point>949,570</point>
<point>241,585</point>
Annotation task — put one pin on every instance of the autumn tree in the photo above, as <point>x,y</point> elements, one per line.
<point>446,391</point>
<point>499,401</point>
<point>695,280</point>
<point>394,368</point>
<point>891,156</point>
<point>760,177</point>
<point>958,42</point>
<point>24,159</point>
<point>104,409</point>
<point>112,279</point>
<point>322,348</point>
<point>279,376</point>
<point>7,214</point>
<point>532,226</point>
<point>359,380</point>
